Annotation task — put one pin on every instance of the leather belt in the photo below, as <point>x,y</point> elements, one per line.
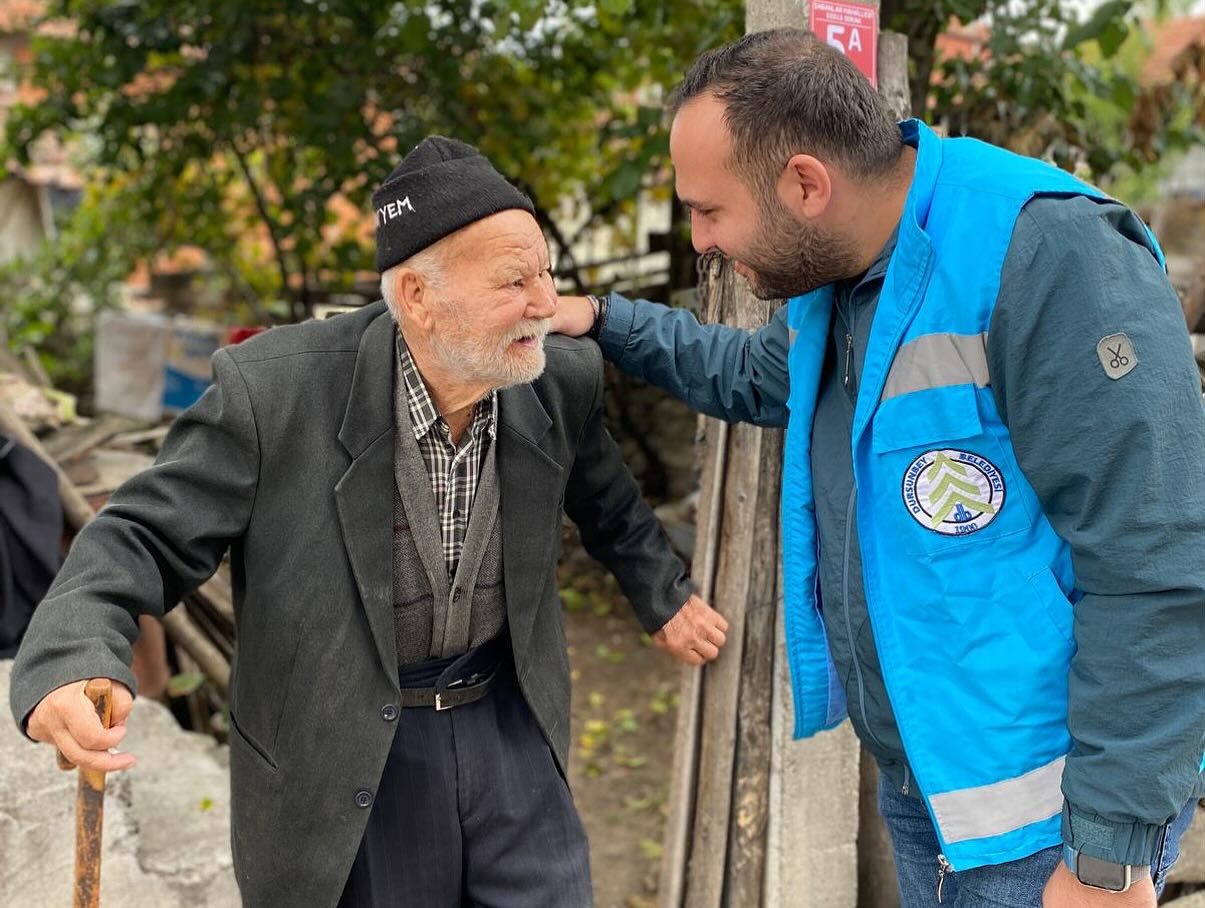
<point>459,693</point>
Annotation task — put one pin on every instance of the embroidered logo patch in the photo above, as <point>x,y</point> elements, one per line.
<point>953,492</point>
<point>1117,355</point>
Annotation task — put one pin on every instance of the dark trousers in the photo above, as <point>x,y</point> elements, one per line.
<point>471,811</point>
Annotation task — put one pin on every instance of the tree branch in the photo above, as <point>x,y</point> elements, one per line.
<point>273,232</point>
<point>564,250</point>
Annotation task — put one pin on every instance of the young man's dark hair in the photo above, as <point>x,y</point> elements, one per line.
<point>785,93</point>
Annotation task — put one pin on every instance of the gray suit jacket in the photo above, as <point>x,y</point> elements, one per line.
<point>288,461</point>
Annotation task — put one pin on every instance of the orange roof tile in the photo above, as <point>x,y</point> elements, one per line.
<point>965,42</point>
<point>1169,40</point>
<point>19,15</point>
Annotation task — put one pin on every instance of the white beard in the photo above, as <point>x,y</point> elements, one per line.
<point>494,361</point>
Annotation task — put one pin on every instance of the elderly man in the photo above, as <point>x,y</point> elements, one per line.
<point>390,489</point>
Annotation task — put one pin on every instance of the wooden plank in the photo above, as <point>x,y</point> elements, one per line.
<point>217,603</point>
<point>70,443</point>
<point>105,470</point>
<point>79,514</point>
<point>75,507</point>
<point>183,632</point>
<point>728,736</point>
<point>712,439</point>
<point>210,625</point>
<point>34,366</point>
<point>739,543</point>
<point>709,846</point>
<point>154,435</point>
<point>751,776</point>
<point>893,74</point>
<point>684,771</point>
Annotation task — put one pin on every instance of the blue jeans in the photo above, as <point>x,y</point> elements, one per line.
<point>1017,884</point>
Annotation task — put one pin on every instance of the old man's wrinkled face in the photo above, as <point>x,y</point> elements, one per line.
<point>495,306</point>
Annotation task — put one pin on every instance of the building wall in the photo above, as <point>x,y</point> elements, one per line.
<point>21,226</point>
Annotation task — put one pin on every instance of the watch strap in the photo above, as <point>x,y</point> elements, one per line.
<point>1101,874</point>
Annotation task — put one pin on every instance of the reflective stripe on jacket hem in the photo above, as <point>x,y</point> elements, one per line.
<point>976,813</point>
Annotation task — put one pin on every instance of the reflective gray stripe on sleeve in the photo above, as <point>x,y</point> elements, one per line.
<point>976,813</point>
<point>938,360</point>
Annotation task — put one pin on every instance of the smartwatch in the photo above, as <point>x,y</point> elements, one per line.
<point>1103,874</point>
<point>600,315</point>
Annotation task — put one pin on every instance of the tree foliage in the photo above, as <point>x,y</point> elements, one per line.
<point>1051,85</point>
<point>257,129</point>
<point>49,301</point>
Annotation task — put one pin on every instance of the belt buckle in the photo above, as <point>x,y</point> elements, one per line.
<point>439,704</point>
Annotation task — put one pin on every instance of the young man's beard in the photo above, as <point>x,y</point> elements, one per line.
<point>790,258</point>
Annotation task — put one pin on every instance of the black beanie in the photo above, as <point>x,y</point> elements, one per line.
<point>438,188</point>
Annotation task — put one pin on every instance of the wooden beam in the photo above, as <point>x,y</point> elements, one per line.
<point>712,438</point>
<point>79,514</point>
<point>75,507</point>
<point>184,633</point>
<point>751,773</point>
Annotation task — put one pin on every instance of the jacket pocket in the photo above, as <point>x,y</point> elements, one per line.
<point>926,418</point>
<point>942,475</point>
<point>1054,602</point>
<point>237,735</point>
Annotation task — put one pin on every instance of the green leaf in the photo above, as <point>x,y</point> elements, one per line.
<point>606,654</point>
<point>185,683</point>
<point>1105,17</point>
<point>624,182</point>
<point>573,600</point>
<point>1111,39</point>
<point>625,721</point>
<point>651,849</point>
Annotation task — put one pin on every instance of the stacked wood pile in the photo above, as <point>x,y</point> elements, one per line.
<point>92,458</point>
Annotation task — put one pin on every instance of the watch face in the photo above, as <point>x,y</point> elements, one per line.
<point>1102,874</point>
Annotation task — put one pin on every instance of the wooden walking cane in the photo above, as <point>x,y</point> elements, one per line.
<point>90,806</point>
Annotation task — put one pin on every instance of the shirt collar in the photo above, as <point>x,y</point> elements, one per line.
<point>878,268</point>
<point>423,412</point>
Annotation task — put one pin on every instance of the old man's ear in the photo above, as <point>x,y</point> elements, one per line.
<point>414,297</point>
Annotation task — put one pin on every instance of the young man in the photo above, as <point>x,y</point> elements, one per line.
<point>994,489</point>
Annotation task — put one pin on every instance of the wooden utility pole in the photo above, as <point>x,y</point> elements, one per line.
<point>726,840</point>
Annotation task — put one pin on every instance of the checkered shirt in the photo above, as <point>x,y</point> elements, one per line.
<point>453,473</point>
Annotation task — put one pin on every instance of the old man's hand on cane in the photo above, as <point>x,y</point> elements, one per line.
<point>85,720</point>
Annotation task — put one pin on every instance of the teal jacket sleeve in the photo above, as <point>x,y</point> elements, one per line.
<point>1118,464</point>
<point>725,372</point>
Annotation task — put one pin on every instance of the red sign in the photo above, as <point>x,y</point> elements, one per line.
<point>852,28</point>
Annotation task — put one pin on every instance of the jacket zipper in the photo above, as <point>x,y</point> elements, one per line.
<point>850,323</point>
<point>943,867</point>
